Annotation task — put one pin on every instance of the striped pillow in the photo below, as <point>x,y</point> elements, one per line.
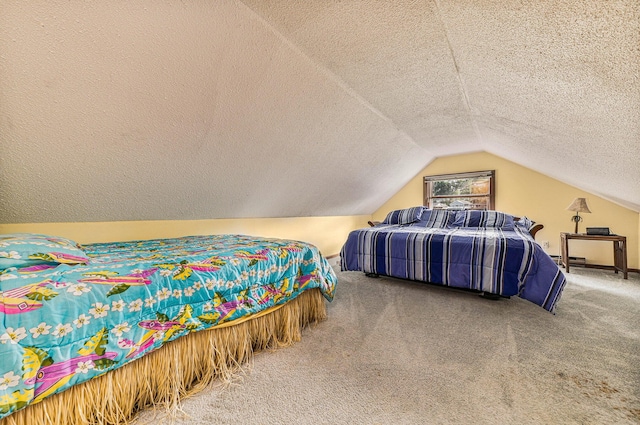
<point>526,222</point>
<point>440,219</point>
<point>405,216</point>
<point>484,219</point>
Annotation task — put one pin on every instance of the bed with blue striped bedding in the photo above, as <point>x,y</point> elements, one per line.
<point>497,260</point>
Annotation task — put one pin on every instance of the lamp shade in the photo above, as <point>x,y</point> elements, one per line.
<point>579,205</point>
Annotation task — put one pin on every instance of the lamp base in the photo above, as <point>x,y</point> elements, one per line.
<point>577,219</point>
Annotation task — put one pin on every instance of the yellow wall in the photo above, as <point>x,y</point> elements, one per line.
<point>327,233</point>
<point>521,191</point>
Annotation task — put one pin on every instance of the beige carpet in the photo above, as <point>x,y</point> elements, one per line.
<point>395,352</point>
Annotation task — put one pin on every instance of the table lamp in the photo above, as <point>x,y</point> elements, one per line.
<point>579,205</point>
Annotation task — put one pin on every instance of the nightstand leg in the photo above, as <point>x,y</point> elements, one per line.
<point>616,257</point>
<point>564,244</point>
<point>623,252</point>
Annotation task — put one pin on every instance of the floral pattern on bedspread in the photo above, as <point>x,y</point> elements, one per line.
<point>64,325</point>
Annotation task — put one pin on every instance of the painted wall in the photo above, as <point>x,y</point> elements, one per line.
<point>327,233</point>
<point>180,110</point>
<point>521,191</point>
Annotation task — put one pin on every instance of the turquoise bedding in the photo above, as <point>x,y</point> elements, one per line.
<point>62,324</point>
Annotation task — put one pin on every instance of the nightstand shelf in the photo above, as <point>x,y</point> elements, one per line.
<point>573,261</point>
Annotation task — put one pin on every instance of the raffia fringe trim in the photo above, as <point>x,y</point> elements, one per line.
<point>179,368</point>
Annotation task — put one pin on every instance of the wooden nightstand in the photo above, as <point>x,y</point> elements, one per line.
<point>619,249</point>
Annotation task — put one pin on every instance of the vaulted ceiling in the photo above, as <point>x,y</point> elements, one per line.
<point>184,110</point>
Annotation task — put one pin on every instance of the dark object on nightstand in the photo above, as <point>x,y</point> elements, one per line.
<point>603,231</point>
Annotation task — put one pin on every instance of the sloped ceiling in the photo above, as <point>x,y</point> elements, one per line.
<point>185,110</point>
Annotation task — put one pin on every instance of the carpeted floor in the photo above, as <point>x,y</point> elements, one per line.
<point>396,352</point>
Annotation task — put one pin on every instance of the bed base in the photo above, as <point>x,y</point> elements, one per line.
<point>491,296</point>
<point>177,369</point>
<point>486,295</point>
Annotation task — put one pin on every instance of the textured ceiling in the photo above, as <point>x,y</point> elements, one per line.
<point>183,110</point>
<point>551,85</point>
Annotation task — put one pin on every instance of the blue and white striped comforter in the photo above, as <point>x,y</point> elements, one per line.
<point>504,262</point>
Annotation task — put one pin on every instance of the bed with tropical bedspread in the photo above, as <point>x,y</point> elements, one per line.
<point>69,313</point>
<point>486,251</point>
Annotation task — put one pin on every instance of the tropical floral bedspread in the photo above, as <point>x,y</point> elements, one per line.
<point>61,324</point>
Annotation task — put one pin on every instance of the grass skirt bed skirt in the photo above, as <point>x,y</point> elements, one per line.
<point>177,369</point>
